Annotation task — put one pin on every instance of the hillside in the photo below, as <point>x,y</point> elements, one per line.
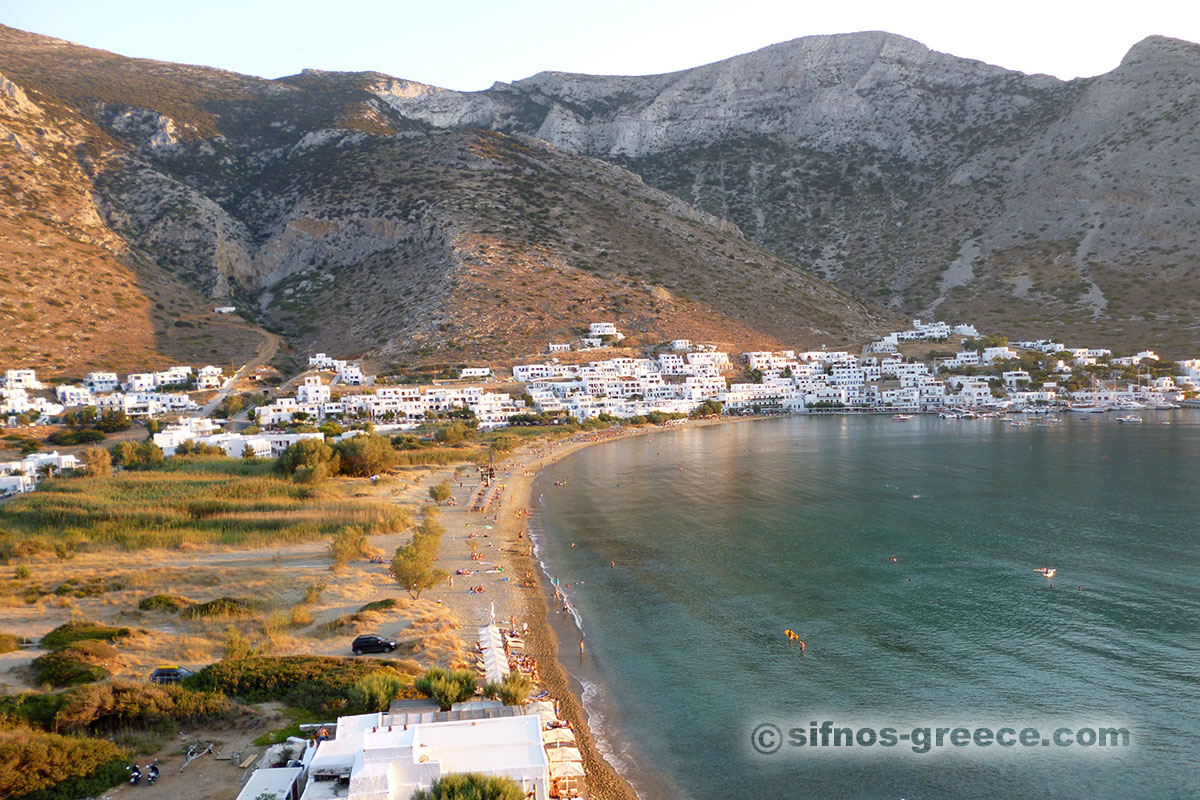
<point>353,229</point>
<point>924,182</point>
<point>72,293</point>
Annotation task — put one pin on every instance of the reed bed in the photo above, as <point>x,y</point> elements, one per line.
<point>195,502</point>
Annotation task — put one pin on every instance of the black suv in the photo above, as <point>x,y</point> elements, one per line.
<point>168,674</point>
<point>372,643</point>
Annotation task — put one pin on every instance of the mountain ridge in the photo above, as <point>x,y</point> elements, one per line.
<point>915,180</point>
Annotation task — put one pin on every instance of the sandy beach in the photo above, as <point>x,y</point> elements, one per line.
<point>500,537</point>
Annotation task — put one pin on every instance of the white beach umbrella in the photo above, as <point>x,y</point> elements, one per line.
<point>560,754</point>
<point>566,769</point>
<point>558,736</point>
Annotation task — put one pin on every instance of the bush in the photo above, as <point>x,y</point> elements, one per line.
<point>71,438</point>
<point>447,687</point>
<point>220,607</point>
<point>376,691</point>
<point>472,786</point>
<point>9,642</point>
<point>308,460</point>
<point>309,682</point>
<point>79,662</point>
<point>169,603</point>
<point>350,542</point>
<point>387,604</point>
<point>73,632</point>
<point>111,706</point>
<point>365,455</point>
<point>440,492</point>
<point>514,690</point>
<point>35,765</point>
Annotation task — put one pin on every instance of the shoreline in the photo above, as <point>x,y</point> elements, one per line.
<point>503,532</point>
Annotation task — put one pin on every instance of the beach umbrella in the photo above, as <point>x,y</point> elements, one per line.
<point>558,736</point>
<point>566,769</point>
<point>559,754</point>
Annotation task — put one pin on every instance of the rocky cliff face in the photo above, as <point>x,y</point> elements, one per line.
<point>924,182</point>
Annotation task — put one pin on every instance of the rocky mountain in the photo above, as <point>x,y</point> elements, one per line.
<point>363,213</point>
<point>924,182</point>
<point>351,228</point>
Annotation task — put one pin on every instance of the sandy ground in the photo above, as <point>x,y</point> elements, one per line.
<point>439,628</point>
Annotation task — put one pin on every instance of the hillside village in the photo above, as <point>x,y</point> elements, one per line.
<point>932,367</point>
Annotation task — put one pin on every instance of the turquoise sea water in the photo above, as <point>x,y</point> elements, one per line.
<point>724,537</point>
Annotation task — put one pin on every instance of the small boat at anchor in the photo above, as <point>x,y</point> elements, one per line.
<point>1049,572</point>
<point>901,418</point>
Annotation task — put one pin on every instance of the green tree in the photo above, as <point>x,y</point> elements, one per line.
<point>446,686</point>
<point>124,454</point>
<point>308,460</point>
<point>440,492</point>
<point>365,455</point>
<point>412,565</point>
<point>472,786</point>
<point>96,462</point>
<point>230,406</point>
<point>350,542</point>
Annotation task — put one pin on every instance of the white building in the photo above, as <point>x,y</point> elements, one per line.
<point>681,344</point>
<point>312,391</point>
<point>470,373</point>
<point>21,379</point>
<point>600,329</point>
<point>102,382</point>
<point>383,761</point>
<point>558,347</point>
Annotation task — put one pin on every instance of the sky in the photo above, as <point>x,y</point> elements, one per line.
<point>469,44</point>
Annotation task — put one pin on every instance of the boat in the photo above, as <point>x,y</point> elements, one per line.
<point>1049,572</point>
<point>901,418</point>
<point>1129,418</point>
<point>1087,409</point>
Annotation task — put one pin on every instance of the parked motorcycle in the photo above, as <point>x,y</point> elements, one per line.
<point>152,772</point>
<point>135,773</point>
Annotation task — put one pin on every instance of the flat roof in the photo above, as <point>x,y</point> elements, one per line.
<point>275,781</point>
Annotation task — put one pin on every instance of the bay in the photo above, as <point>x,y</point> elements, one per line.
<point>723,537</point>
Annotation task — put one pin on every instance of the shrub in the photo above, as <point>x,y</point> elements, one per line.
<point>163,602</point>
<point>387,604</point>
<point>440,492</point>
<point>79,662</point>
<point>96,462</point>
<point>514,690</point>
<point>312,456</point>
<point>350,542</point>
<point>447,687</point>
<point>35,765</point>
<point>376,691</point>
<point>308,682</point>
<point>110,706</point>
<point>9,642</point>
<point>472,786</point>
<point>73,632</point>
<point>362,456</point>
<point>220,607</point>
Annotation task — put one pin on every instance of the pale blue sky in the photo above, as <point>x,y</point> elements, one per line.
<point>469,44</point>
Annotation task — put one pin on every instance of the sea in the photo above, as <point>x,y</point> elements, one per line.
<point>904,556</point>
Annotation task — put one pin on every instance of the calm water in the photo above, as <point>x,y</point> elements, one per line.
<point>790,523</point>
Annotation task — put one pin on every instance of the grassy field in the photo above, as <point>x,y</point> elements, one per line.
<point>189,501</point>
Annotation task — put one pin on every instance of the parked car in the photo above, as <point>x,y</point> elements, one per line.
<point>169,673</point>
<point>373,643</point>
